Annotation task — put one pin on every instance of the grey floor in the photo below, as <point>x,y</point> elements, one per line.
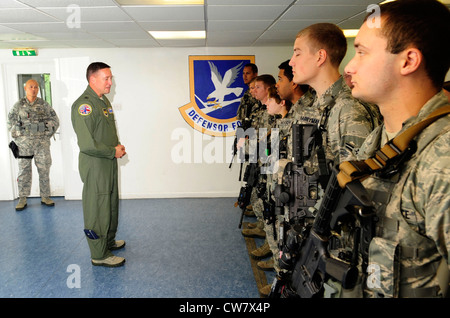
<point>176,248</point>
<point>182,255</point>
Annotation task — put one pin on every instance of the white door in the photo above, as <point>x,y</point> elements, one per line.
<point>12,70</point>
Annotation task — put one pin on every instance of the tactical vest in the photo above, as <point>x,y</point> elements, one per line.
<point>33,119</point>
<point>397,250</point>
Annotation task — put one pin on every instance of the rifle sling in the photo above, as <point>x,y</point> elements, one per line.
<point>352,170</point>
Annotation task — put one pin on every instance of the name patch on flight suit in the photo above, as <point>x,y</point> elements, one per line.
<point>85,110</point>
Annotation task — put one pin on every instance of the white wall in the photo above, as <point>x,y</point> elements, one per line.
<point>149,87</point>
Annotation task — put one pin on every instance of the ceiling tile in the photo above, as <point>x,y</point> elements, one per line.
<point>297,25</point>
<point>110,26</point>
<point>173,25</point>
<point>44,27</point>
<point>134,42</point>
<point>15,37</point>
<point>242,12</point>
<point>88,43</point>
<point>89,14</point>
<point>24,16</point>
<point>182,43</point>
<point>354,22</point>
<point>111,36</point>
<point>8,29</point>
<point>338,2</point>
<point>322,12</point>
<point>227,22</point>
<point>66,3</point>
<point>11,4</point>
<point>242,38</point>
<point>231,25</point>
<point>165,13</point>
<point>73,36</point>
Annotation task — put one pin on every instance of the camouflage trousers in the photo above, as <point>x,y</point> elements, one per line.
<point>40,149</point>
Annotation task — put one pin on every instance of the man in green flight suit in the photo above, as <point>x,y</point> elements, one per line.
<point>94,123</point>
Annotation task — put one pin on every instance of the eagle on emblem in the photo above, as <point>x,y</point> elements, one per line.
<point>222,85</point>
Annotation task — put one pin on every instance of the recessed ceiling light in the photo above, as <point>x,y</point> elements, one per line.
<point>350,33</point>
<point>176,35</point>
<point>158,2</point>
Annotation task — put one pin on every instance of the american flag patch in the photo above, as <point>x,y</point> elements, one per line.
<point>84,110</point>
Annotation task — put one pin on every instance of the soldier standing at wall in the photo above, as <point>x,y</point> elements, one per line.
<point>247,101</point>
<point>32,122</point>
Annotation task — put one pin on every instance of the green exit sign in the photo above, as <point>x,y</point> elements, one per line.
<point>24,52</point>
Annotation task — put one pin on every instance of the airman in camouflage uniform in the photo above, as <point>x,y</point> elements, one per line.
<point>409,255</point>
<point>247,101</point>
<point>298,97</point>
<point>32,122</point>
<point>261,122</point>
<point>264,123</point>
<point>344,122</point>
<point>417,213</point>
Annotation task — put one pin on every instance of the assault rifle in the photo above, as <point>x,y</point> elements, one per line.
<point>305,246</point>
<point>315,264</point>
<point>251,179</point>
<point>299,189</point>
<point>246,123</point>
<point>298,192</point>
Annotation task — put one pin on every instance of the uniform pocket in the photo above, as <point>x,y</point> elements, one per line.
<point>383,268</point>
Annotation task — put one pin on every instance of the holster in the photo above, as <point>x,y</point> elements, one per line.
<point>15,150</point>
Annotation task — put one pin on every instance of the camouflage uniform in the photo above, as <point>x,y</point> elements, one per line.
<point>345,123</point>
<point>261,120</point>
<point>276,160</point>
<point>253,121</point>
<point>246,106</point>
<point>31,126</point>
<point>284,128</point>
<point>413,207</point>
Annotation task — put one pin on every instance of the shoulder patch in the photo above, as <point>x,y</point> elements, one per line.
<point>85,109</point>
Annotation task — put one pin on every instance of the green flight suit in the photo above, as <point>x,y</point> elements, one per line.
<point>94,123</point>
